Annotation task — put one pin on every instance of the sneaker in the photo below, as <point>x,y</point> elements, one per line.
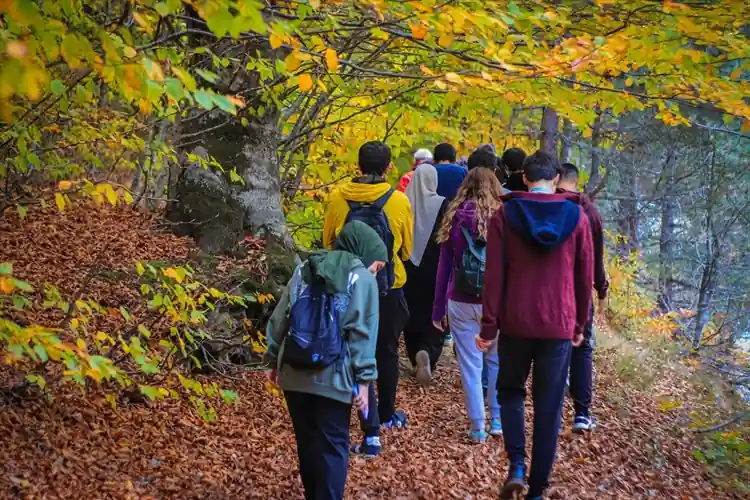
<point>478,436</point>
<point>448,341</point>
<point>370,447</point>
<point>397,421</point>
<point>583,423</point>
<point>424,370</point>
<point>496,428</point>
<point>515,485</point>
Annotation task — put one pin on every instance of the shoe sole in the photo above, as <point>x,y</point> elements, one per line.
<point>583,430</point>
<point>424,371</point>
<point>513,491</point>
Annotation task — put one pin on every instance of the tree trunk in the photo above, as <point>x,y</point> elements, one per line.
<point>629,216</point>
<point>667,236</point>
<point>596,160</point>
<point>548,140</point>
<point>566,145</point>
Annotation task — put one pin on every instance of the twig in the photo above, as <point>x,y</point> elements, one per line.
<point>740,416</point>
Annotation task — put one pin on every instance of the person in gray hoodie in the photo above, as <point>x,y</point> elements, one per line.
<point>469,213</point>
<point>320,401</point>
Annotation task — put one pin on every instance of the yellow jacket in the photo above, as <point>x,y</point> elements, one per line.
<point>397,209</point>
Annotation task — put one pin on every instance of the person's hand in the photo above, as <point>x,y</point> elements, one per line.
<point>273,376</point>
<point>482,344</point>
<point>362,400</point>
<point>440,325</point>
<point>375,267</point>
<point>577,339</point>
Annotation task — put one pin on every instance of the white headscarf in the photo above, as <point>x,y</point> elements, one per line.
<point>425,204</point>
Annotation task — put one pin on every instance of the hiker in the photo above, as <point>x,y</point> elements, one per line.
<point>485,157</point>
<point>581,362</point>
<point>420,157</point>
<point>319,377</point>
<point>537,294</point>
<point>513,159</point>
<point>458,292</point>
<point>370,199</point>
<point>450,175</point>
<point>424,343</point>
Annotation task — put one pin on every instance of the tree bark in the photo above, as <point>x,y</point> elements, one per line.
<point>629,216</point>
<point>566,145</point>
<point>667,236</point>
<point>548,139</point>
<point>596,160</point>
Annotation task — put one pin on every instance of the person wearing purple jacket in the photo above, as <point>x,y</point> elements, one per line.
<point>476,201</point>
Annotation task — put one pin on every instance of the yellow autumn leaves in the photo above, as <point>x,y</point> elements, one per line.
<point>97,192</point>
<point>293,61</point>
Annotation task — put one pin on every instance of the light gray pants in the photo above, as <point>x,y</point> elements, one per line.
<point>465,320</point>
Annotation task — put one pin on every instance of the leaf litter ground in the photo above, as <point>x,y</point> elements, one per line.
<point>79,447</point>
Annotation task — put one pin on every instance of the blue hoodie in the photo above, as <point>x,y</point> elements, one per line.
<point>548,223</point>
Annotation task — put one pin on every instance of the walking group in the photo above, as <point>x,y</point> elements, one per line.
<point>497,255</point>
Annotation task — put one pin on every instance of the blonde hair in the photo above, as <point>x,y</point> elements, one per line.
<point>480,186</point>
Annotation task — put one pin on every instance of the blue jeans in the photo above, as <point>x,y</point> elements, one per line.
<point>465,320</point>
<point>485,377</point>
<point>551,362</point>
<point>581,370</point>
<point>321,426</point>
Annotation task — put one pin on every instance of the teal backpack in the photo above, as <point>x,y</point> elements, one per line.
<point>470,270</point>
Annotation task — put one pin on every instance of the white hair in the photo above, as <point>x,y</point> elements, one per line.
<point>423,154</point>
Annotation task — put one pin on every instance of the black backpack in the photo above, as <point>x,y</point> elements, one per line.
<point>373,215</point>
<point>470,270</point>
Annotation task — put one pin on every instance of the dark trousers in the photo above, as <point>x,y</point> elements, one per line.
<point>551,361</point>
<point>321,426</point>
<point>394,313</point>
<point>581,370</point>
<point>428,339</point>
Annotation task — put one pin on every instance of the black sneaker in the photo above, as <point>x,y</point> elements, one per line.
<point>370,447</point>
<point>583,423</point>
<point>515,485</point>
<point>397,421</point>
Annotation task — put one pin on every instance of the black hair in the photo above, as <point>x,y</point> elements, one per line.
<point>444,152</point>
<point>541,166</point>
<point>374,158</point>
<point>513,159</point>
<point>483,157</point>
<point>568,172</point>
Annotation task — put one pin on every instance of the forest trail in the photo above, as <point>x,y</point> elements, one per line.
<point>80,447</point>
<point>69,451</point>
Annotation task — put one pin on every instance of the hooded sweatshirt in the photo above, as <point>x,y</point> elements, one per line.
<point>397,210</point>
<point>539,247</point>
<point>451,252</point>
<point>601,285</point>
<point>515,182</point>
<point>359,324</point>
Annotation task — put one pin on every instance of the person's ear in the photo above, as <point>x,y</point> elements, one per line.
<point>388,168</point>
<point>556,180</point>
<point>525,181</point>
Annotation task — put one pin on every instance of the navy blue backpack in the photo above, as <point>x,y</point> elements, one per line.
<point>373,215</point>
<point>315,339</point>
<point>470,270</point>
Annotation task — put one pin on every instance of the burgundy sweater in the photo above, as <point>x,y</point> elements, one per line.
<point>601,285</point>
<point>539,271</point>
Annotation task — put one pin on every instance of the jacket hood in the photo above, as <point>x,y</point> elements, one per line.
<point>546,220</point>
<point>466,215</point>
<point>364,193</point>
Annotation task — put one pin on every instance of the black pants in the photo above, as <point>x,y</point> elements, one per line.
<point>551,361</point>
<point>394,313</point>
<point>321,426</point>
<point>428,339</point>
<point>581,370</point>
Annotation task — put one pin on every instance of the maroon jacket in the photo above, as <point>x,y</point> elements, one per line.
<point>601,285</point>
<point>540,268</point>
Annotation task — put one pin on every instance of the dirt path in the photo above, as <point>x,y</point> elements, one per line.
<point>77,450</point>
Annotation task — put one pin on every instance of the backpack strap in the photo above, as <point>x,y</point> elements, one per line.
<point>470,242</point>
<point>380,202</point>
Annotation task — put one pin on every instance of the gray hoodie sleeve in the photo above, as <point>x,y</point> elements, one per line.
<point>277,328</point>
<point>361,326</point>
